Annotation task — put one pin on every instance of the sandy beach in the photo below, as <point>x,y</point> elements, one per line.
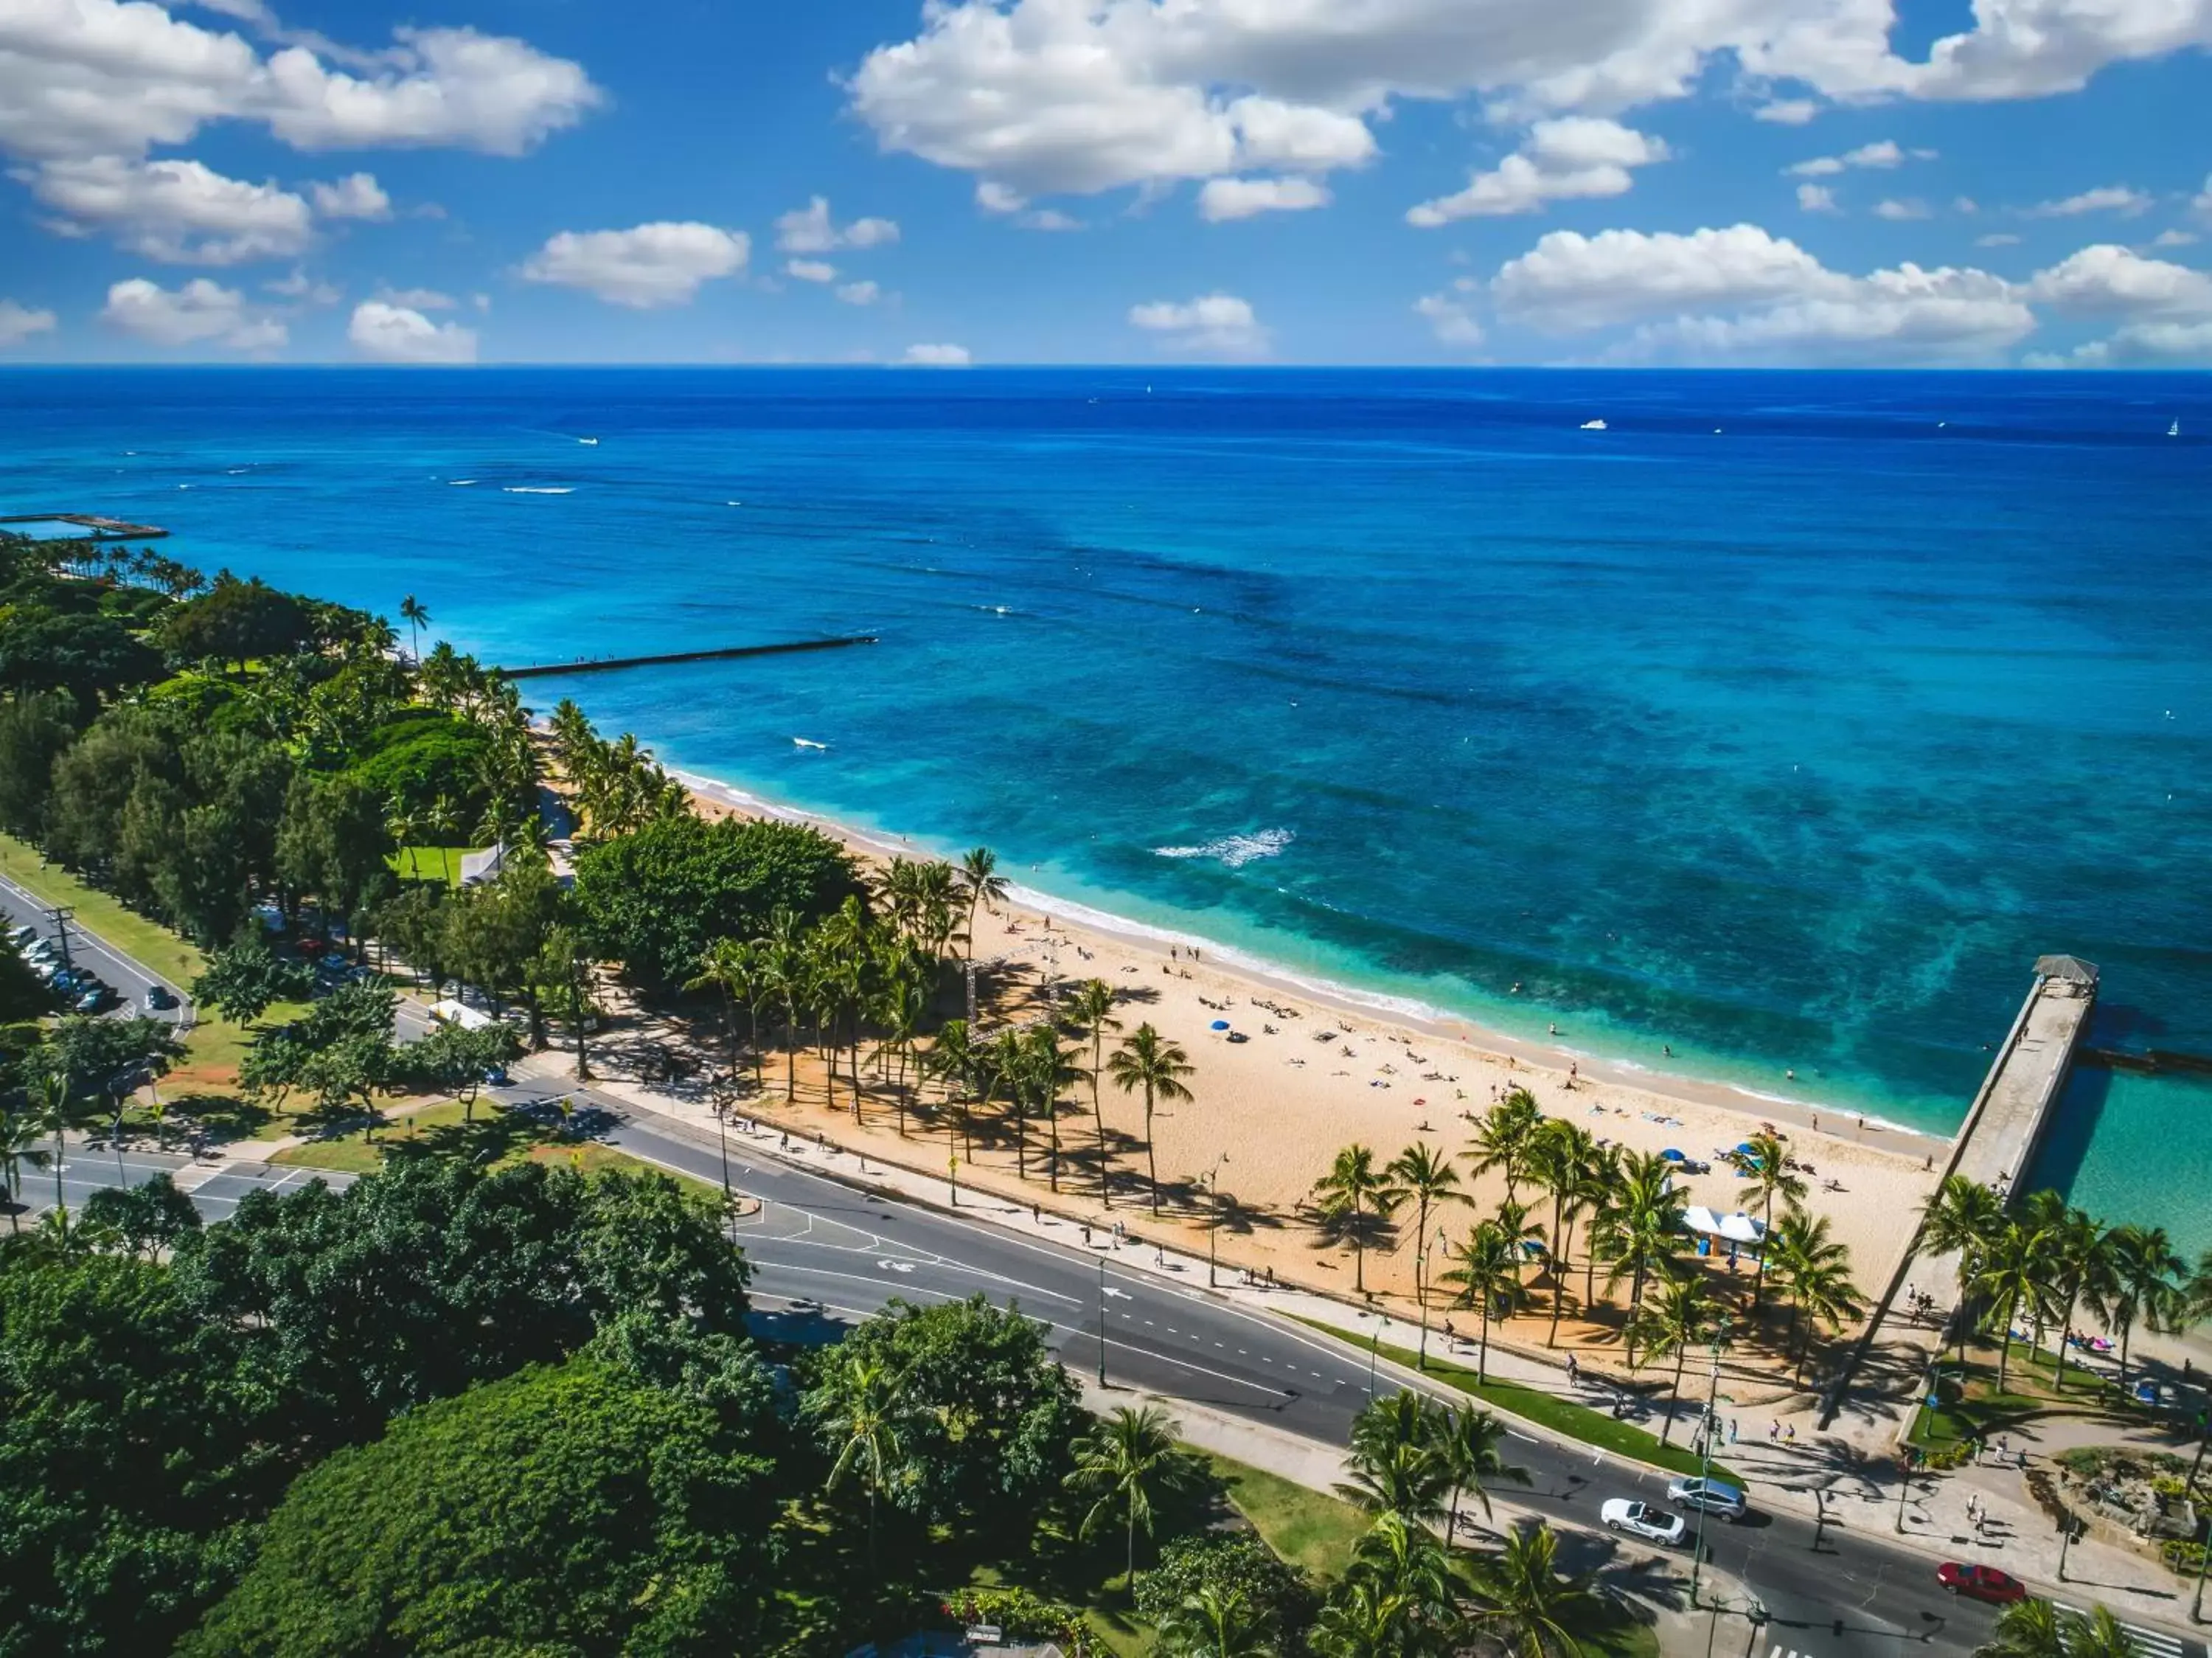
<point>1315,1072</point>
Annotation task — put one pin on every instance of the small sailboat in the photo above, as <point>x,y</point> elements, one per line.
<point>1592,426</point>
<point>2174,430</point>
<point>589,442</point>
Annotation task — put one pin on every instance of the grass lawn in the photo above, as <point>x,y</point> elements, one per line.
<point>1305,1527</point>
<point>494,1137</point>
<point>430,863</point>
<point>1561,1415</point>
<point>149,941</point>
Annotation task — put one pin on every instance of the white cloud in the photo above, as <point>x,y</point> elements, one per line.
<point>809,229</point>
<point>356,196</point>
<point>995,198</point>
<point>809,271</point>
<point>1574,158</point>
<point>416,299</point>
<point>394,333</point>
<point>1786,112</point>
<point>937,357</point>
<point>1741,294</point>
<point>304,289</point>
<point>1884,153</point>
<point>1816,199</point>
<point>2139,345</point>
<point>1448,320</point>
<point>859,293</point>
<point>1997,239</point>
<point>1241,198</point>
<point>1214,324</point>
<point>199,312</point>
<point>2201,202</point>
<point>1048,218</point>
<point>646,266</point>
<point>1910,208</point>
<point>446,87</point>
<point>2174,238</point>
<point>180,212</point>
<point>19,322</point>
<point>2106,198</point>
<point>2108,279</point>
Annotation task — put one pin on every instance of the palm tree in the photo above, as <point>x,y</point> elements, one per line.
<point>1489,1279</point>
<point>731,967</point>
<point>2101,1635</point>
<point>1766,1165</point>
<point>1363,1620</point>
<point>2078,1254</point>
<point>863,1409</point>
<point>1127,1462</point>
<point>955,1060</point>
<point>980,884</point>
<point>1395,1465</point>
<point>19,1135</point>
<point>1357,1200</point>
<point>57,1114</point>
<point>1557,1160</point>
<point>2010,1275</point>
<point>1215,1622</point>
<point>1676,1319</point>
<point>1427,1177</point>
<point>1092,1011</point>
<point>783,971</point>
<point>417,618</point>
<point>1816,1272</point>
<point>1522,1590</point>
<point>898,1011</point>
<point>2141,1282</point>
<point>1468,1443</point>
<point>1401,1558</point>
<point>1144,1060</point>
<point>1962,1219</point>
<point>2029,1629</point>
<point>1502,1138</point>
<point>1002,1063</point>
<point>1047,1069</point>
<point>1638,1230</point>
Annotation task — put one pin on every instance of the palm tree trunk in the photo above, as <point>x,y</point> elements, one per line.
<point>1151,1160</point>
<point>1674,1398</point>
<point>856,1069</point>
<point>1758,1281</point>
<point>1559,1290</point>
<point>1098,1117</point>
<point>1482,1348</point>
<point>1359,1250</point>
<point>2065,1332</point>
<point>790,1054</point>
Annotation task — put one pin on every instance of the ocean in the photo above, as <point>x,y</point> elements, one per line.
<point>1783,721</point>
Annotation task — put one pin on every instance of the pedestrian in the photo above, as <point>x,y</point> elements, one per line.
<point>1574,1372</point>
<point>1790,1433</point>
<point>1086,1237</point>
<point>1732,1427</point>
<point>1037,1215</point>
<point>1773,1431</point>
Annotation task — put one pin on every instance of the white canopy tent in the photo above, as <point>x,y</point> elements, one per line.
<point>1738,1228</point>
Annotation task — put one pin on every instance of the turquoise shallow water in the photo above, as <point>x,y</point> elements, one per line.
<point>1791,743</point>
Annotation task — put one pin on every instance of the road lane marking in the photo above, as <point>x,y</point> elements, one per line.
<point>2161,1644</point>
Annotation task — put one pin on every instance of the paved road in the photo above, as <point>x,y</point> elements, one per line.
<point>129,981</point>
<point>826,1253</point>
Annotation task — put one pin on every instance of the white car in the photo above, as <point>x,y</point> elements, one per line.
<point>1642,1519</point>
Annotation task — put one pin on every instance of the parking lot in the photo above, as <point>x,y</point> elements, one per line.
<point>112,982</point>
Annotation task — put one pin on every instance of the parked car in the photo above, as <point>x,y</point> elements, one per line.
<point>1712,1496</point>
<point>39,949</point>
<point>1980,1582</point>
<point>98,999</point>
<point>159,998</point>
<point>24,936</point>
<point>1642,1519</point>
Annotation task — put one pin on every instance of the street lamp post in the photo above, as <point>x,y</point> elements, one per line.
<point>1374,1348</point>
<point>1705,1467</point>
<point>2196,1606</point>
<point>1210,1180</point>
<point>1102,1319</point>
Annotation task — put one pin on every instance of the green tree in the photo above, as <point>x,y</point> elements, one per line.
<point>147,1218</point>
<point>730,967</point>
<point>1429,1180</point>
<point>1092,1012</point>
<point>2031,1628</point>
<point>1149,1064</point>
<point>1356,1201</point>
<point>981,884</point>
<point>1278,1600</point>
<point>577,1508</point>
<point>1522,1593</point>
<point>1638,1228</point>
<point>1816,1273</point>
<point>1047,1070</point>
<point>861,1410</point>
<point>1680,1317</point>
<point>19,1134</point>
<point>1561,1160</point>
<point>561,979</point>
<point>2077,1255</point>
<point>1215,1622</point>
<point>1468,1442</point>
<point>455,1060</point>
<point>1488,1275</point>
<point>2141,1283</point>
<point>1127,1465</point>
<point>243,981</point>
<point>1505,1136</point>
<point>35,731</point>
<point>1767,1166</point>
<point>1396,1464</point>
<point>412,612</point>
<point>236,622</point>
<point>654,900</point>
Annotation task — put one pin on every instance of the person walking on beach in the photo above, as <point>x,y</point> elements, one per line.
<point>1574,1372</point>
<point>1773,1431</point>
<point>1732,1427</point>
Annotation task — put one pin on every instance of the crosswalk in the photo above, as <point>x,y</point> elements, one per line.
<point>1781,1652</point>
<point>2151,1642</point>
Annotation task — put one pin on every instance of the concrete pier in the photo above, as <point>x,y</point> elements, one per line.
<point>727,653</point>
<point>1995,1147</point>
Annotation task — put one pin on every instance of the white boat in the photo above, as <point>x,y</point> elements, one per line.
<point>589,442</point>
<point>2174,430</point>
<point>1593,426</point>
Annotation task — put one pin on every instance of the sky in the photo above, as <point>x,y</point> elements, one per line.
<point>1865,183</point>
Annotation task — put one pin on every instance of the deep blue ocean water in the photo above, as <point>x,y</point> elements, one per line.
<point>1786,720</point>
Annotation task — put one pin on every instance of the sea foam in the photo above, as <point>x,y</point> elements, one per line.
<point>1234,851</point>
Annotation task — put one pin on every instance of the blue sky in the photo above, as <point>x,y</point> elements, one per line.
<point>1725,181</point>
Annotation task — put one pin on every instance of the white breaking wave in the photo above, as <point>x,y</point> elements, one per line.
<point>1233,851</point>
<point>459,483</point>
<point>538,489</point>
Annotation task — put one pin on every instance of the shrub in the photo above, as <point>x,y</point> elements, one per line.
<point>1022,1616</point>
<point>2183,1556</point>
<point>1275,1590</point>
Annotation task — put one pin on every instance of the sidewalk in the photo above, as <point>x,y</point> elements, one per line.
<point>1830,1476</point>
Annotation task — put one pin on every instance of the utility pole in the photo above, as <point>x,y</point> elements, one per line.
<point>61,915</point>
<point>2196,1606</point>
<point>722,1134</point>
<point>1374,1350</point>
<point>1704,1471</point>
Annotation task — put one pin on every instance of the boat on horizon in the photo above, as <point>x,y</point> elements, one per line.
<point>2174,430</point>
<point>1592,426</point>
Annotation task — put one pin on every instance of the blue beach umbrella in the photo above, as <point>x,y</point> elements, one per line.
<point>1221,1024</point>
<point>1672,1156</point>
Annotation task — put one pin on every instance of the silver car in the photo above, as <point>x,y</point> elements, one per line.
<point>1714,1496</point>
<point>1642,1519</point>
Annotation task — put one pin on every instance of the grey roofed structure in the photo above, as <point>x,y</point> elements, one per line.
<point>2071,968</point>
